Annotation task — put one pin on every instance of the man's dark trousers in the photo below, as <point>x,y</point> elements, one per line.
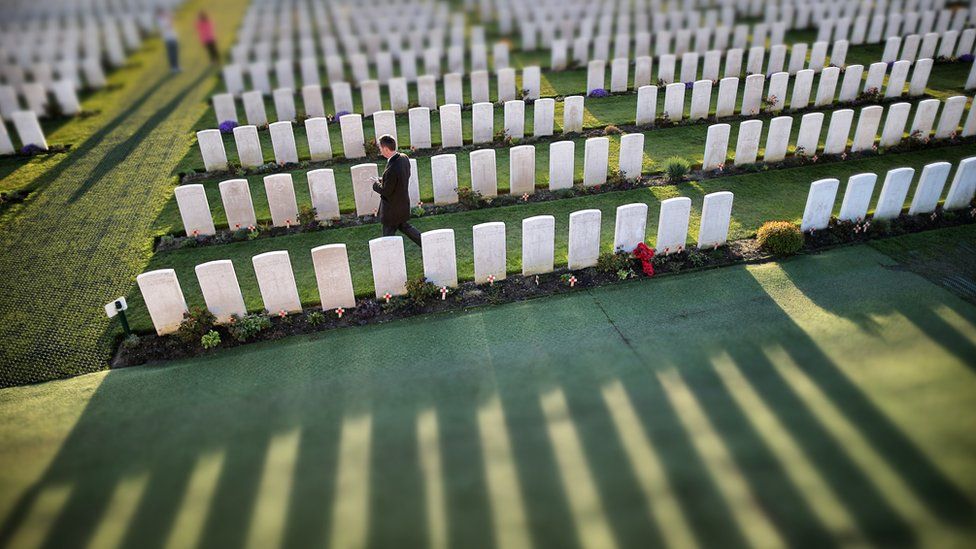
<point>394,209</point>
<point>405,228</point>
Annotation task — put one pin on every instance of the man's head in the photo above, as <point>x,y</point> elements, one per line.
<point>387,146</point>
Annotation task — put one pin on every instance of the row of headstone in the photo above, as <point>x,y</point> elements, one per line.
<point>36,98</point>
<point>84,73</point>
<point>344,30</point>
<point>239,210</point>
<point>250,154</point>
<point>874,29</point>
<point>259,72</point>
<point>865,134</point>
<point>429,93</point>
<point>894,192</point>
<point>949,45</point>
<point>830,89</point>
<point>28,129</point>
<point>218,281</point>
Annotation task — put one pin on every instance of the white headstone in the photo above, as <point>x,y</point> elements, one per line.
<point>319,143</point>
<point>930,186</point>
<point>538,244</point>
<point>631,155</point>
<point>276,282</point>
<point>896,80</point>
<point>728,91</point>
<point>801,89</point>
<point>515,119</point>
<point>254,108</point>
<point>164,299</point>
<point>851,84</point>
<point>674,101</point>
<point>312,101</point>
<point>827,86</point>
<point>211,142</point>
<point>595,161</point>
<point>838,130</point>
<point>220,289</point>
<point>353,141</point>
<point>920,78</point>
<point>280,191</point>
<point>747,142</point>
<point>483,173</point>
<point>925,118</point>
<point>488,242</point>
<point>573,114</point>
<point>450,118</point>
<point>235,194</point>
<point>194,210</point>
<point>951,116</point>
<point>483,123</point>
<point>701,98</point>
<point>284,100</point>
<point>389,265</point>
<point>584,238</point>
<point>857,197</point>
<point>444,175</point>
<point>283,141</point>
<point>867,128</point>
<point>778,138</point>
<point>894,125</point>
<point>963,185</point>
<point>894,191</point>
<point>367,200</point>
<point>439,257</point>
<point>322,190</point>
<point>522,170</point>
<point>331,264</point>
<point>562,159</point>
<point>820,204</point>
<point>716,146</point>
<point>715,217</point>
<point>646,105</point>
<point>672,226</point>
<point>543,114</point>
<point>630,226</point>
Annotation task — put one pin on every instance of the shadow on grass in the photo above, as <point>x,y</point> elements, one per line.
<point>110,160</point>
<point>499,447</point>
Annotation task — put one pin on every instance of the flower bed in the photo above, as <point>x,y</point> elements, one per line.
<point>612,268</point>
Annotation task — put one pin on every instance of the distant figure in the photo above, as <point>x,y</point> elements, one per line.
<point>394,190</point>
<point>165,23</point>
<point>205,31</point>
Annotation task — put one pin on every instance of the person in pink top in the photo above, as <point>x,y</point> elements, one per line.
<point>205,31</point>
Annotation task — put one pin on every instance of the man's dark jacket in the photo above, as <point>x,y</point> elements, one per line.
<point>394,191</point>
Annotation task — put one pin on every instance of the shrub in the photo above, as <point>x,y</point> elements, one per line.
<point>420,290</point>
<point>611,130</point>
<point>614,262</point>
<point>780,237</point>
<point>243,328</point>
<point>599,92</point>
<point>418,211</point>
<point>315,318</point>
<point>372,149</point>
<point>227,126</point>
<point>210,340</point>
<point>306,217</point>
<point>196,322</point>
<point>676,168</point>
<point>468,198</point>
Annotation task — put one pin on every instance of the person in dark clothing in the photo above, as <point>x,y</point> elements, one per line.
<point>394,191</point>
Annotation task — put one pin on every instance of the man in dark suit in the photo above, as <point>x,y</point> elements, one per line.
<point>394,191</point>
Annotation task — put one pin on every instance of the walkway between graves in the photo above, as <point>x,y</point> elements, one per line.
<point>86,233</point>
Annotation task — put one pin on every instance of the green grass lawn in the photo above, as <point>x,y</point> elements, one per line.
<point>821,401</point>
<point>778,194</point>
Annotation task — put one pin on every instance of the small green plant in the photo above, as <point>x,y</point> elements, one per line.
<point>469,198</point>
<point>315,318</point>
<point>243,328</point>
<point>210,339</point>
<point>167,242</point>
<point>372,149</point>
<point>624,274</point>
<point>420,290</point>
<point>780,238</point>
<point>676,169</point>
<point>196,322</point>
<point>614,262</point>
<point>616,178</point>
<point>306,217</point>
<point>417,211</point>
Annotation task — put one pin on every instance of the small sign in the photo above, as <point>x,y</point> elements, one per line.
<point>113,308</point>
